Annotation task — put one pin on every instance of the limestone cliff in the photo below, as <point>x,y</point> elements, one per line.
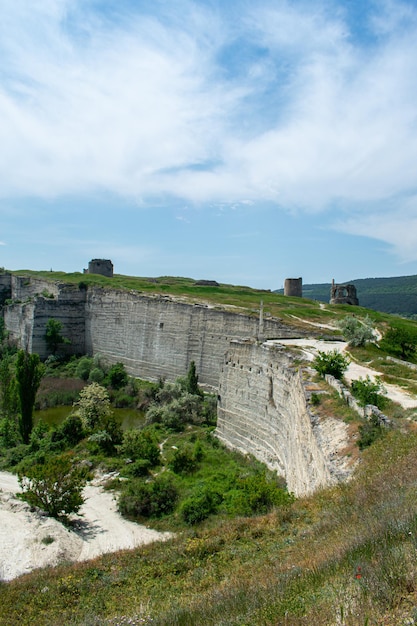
<point>263,411</point>
<point>262,406</point>
<point>154,336</point>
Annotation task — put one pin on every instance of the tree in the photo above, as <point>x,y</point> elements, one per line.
<point>402,340</point>
<point>117,376</point>
<point>357,332</point>
<point>53,336</point>
<point>93,406</point>
<point>333,363</point>
<point>29,372</point>
<point>192,380</point>
<point>54,486</point>
<point>9,404</point>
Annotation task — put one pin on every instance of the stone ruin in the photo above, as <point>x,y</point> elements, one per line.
<point>104,267</point>
<point>343,294</point>
<point>293,287</point>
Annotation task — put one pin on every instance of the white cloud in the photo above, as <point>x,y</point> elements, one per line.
<point>147,106</point>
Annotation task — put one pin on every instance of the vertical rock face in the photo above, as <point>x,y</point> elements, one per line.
<point>156,336</point>
<point>37,301</point>
<point>262,411</point>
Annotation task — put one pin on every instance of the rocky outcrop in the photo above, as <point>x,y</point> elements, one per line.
<point>263,411</point>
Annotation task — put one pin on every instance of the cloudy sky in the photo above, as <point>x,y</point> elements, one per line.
<point>240,141</point>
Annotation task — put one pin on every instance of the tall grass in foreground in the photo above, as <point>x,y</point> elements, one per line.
<point>346,556</point>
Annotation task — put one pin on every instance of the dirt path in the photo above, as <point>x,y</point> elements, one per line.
<point>310,348</point>
<point>29,540</point>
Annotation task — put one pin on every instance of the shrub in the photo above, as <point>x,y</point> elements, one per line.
<point>110,435</point>
<point>15,455</point>
<point>315,399</point>
<point>117,376</point>
<point>84,367</point>
<point>333,363</point>
<point>369,392</point>
<point>400,340</point>
<point>257,494</point>
<point>199,507</point>
<point>54,486</point>
<point>357,332</point>
<point>370,432</point>
<point>96,375</point>
<point>72,429</point>
<point>148,499</point>
<point>140,444</point>
<point>183,461</point>
<point>139,468</point>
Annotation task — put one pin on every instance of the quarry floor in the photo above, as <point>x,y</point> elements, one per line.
<point>29,539</point>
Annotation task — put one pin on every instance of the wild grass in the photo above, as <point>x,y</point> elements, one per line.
<point>344,556</point>
<point>223,295</point>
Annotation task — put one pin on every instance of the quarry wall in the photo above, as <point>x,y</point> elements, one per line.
<point>262,410</point>
<point>262,407</point>
<point>153,336</point>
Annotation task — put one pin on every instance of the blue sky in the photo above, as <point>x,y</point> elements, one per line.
<point>244,142</point>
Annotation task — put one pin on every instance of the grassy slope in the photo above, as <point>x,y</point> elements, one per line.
<point>344,556</point>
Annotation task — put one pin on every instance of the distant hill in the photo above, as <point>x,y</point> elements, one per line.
<point>397,295</point>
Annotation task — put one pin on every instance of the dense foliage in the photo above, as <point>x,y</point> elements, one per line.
<point>369,391</point>
<point>29,372</point>
<point>55,485</point>
<point>333,363</point>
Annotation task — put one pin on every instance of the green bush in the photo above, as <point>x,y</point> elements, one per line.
<point>84,367</point>
<point>370,432</point>
<point>400,340</point>
<point>15,455</point>
<point>357,332</point>
<point>96,375</point>
<point>257,494</point>
<point>367,391</point>
<point>184,461</point>
<point>140,444</point>
<point>72,429</point>
<point>117,376</point>
<point>333,363</point>
<point>148,499</point>
<point>199,507</point>
<point>139,468</point>
<point>55,486</point>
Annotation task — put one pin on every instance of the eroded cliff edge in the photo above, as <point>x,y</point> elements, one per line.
<point>263,410</point>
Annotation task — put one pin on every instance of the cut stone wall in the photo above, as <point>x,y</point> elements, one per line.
<point>26,321</point>
<point>263,411</point>
<point>154,336</point>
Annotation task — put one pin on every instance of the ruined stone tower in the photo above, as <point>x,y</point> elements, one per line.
<point>343,294</point>
<point>100,266</point>
<point>293,287</point>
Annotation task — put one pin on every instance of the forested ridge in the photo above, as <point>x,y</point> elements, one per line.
<point>396,295</point>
